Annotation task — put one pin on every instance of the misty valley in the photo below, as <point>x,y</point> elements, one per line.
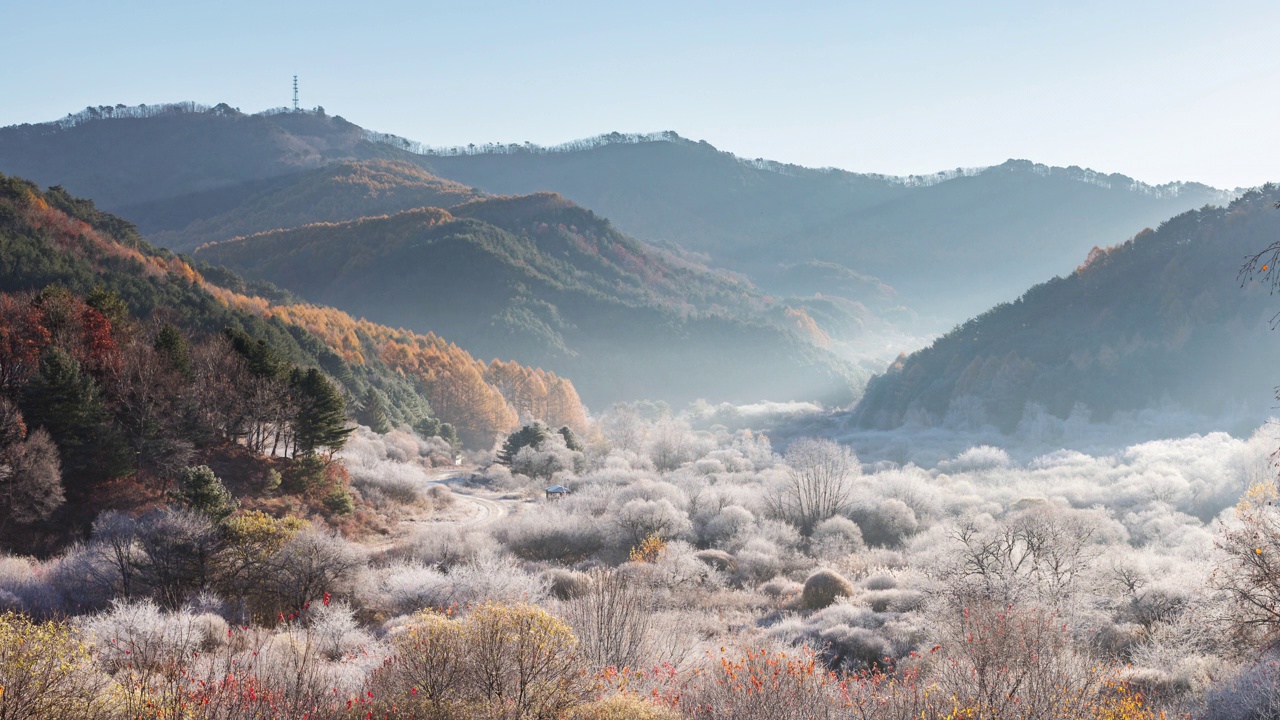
<point>301,419</point>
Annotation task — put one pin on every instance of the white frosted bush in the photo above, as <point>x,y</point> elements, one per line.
<point>334,630</point>
<point>640,518</point>
<point>443,545</point>
<point>404,588</point>
<point>885,523</point>
<point>140,635</point>
<point>836,537</point>
<point>727,523</point>
<point>976,460</point>
<point>553,534</point>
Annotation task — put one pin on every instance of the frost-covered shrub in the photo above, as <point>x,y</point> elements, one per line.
<point>334,630</point>
<point>397,483</point>
<point>441,497</point>
<point>885,523</point>
<point>564,584</point>
<point>725,524</point>
<point>403,588</point>
<point>677,566</point>
<point>138,634</point>
<point>386,467</point>
<point>757,560</point>
<point>836,537</point>
<point>1252,694</point>
<point>552,534</point>
<point>23,588</point>
<point>444,546</point>
<point>894,600</point>
<point>781,588</point>
<point>645,488</point>
<point>977,460</point>
<point>640,518</point>
<point>880,581</point>
<point>709,466</point>
<point>718,559</point>
<point>850,636</point>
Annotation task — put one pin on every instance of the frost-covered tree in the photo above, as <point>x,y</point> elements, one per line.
<point>30,473</point>
<point>818,485</point>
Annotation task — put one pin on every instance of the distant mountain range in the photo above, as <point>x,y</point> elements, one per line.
<point>182,171</point>
<point>951,244</point>
<point>1160,320</point>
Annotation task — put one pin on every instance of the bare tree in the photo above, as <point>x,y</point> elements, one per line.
<point>311,564</point>
<point>30,472</point>
<point>820,475</point>
<point>1040,554</point>
<point>115,540</point>
<point>612,620</point>
<point>1249,570</point>
<point>178,547</point>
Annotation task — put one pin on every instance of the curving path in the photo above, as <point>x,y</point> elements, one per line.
<point>471,509</point>
<point>487,510</point>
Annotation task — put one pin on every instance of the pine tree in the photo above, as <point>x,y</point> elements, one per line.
<point>262,359</point>
<point>375,411</point>
<point>203,492</point>
<point>531,435</point>
<point>69,405</point>
<point>571,439</point>
<point>172,345</point>
<point>320,420</point>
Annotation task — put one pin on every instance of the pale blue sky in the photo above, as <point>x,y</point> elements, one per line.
<point>1157,90</point>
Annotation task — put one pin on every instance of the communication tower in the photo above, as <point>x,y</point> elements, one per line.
<point>295,93</point>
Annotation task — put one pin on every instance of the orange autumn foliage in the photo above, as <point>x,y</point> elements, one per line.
<point>479,402</point>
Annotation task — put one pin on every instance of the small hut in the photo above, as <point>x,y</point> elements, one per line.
<point>557,491</point>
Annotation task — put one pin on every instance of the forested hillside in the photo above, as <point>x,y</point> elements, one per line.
<point>51,239</point>
<point>552,284</point>
<point>1159,319</point>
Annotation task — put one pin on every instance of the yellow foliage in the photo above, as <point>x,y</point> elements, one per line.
<point>649,550</point>
<point>261,531</point>
<point>499,660</point>
<point>624,706</point>
<point>1119,702</point>
<point>1259,495</point>
<point>45,671</point>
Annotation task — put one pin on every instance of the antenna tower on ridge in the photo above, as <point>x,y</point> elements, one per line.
<point>295,93</point>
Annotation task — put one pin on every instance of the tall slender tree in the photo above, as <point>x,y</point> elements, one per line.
<point>320,421</point>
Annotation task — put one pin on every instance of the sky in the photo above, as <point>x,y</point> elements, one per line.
<point>1159,91</point>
